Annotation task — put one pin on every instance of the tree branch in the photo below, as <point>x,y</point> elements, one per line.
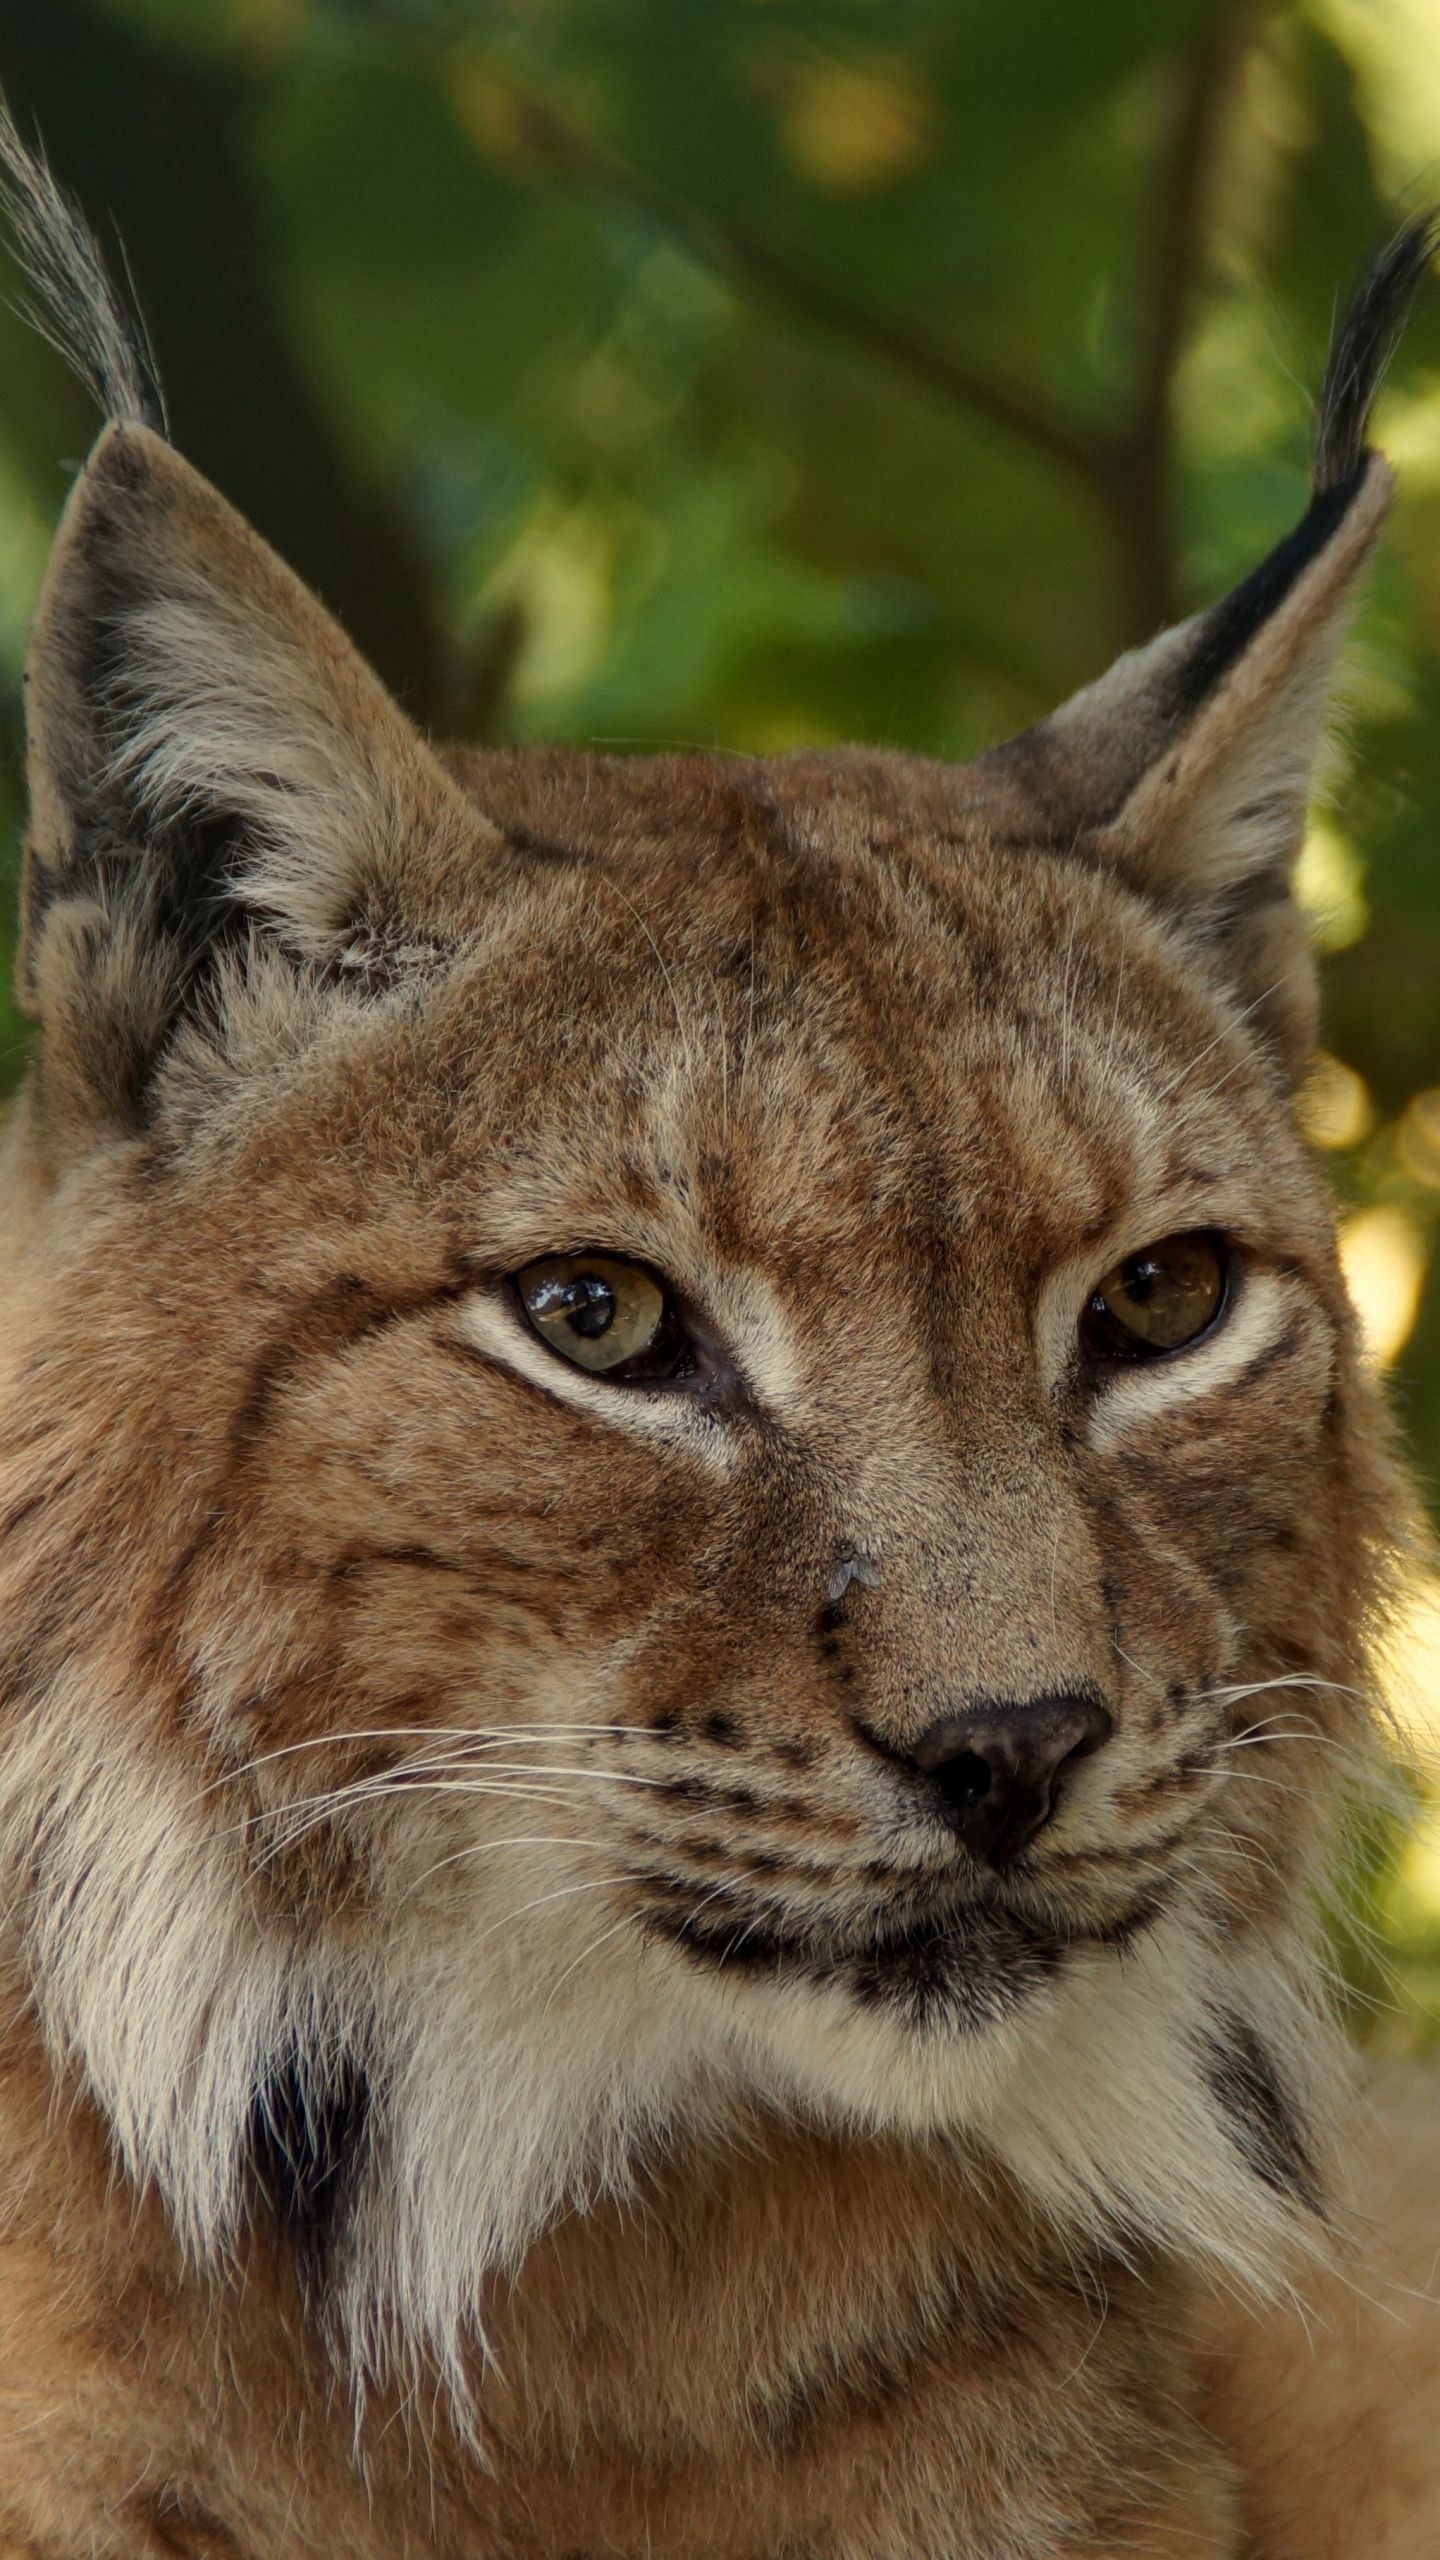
<point>1144,515</point>
<point>1128,475</point>
<point>727,245</point>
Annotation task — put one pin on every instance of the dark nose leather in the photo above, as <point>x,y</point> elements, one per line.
<point>998,1768</point>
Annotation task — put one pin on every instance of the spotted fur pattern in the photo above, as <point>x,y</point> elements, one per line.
<point>500,2054</point>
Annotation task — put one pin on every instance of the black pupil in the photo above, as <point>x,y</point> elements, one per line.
<point>1142,1273</point>
<point>589,1304</point>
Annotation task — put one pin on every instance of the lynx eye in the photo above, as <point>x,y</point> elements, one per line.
<point>1160,1299</point>
<point>604,1314</point>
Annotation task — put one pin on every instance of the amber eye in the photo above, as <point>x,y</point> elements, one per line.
<point>1158,1300</point>
<point>606,1315</point>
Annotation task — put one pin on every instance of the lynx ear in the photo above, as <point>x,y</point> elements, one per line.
<point>1188,767</point>
<point>210,763</point>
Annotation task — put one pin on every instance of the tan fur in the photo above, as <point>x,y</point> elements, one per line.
<point>1332,2408</point>
<point>499,2054</point>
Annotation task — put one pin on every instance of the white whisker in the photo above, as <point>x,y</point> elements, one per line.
<point>518,1840</point>
<point>487,1737</point>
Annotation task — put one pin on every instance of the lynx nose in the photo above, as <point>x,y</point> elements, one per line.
<point>998,1768</point>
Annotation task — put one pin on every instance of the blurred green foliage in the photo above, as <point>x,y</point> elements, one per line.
<point>747,372</point>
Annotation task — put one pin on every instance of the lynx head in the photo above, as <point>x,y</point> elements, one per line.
<point>667,1424</point>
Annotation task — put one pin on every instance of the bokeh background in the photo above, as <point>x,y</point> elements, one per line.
<point>753,372</point>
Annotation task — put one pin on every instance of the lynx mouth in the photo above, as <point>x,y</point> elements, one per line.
<point>962,1965</point>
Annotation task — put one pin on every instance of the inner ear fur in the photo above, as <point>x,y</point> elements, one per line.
<point>210,761</point>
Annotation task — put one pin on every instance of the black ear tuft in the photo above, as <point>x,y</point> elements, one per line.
<point>1364,343</point>
<point>1187,767</point>
<point>76,305</point>
<point>1367,337</point>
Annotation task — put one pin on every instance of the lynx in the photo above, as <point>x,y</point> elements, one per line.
<point>672,1433</point>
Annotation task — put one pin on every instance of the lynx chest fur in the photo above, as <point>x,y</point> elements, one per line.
<point>665,1427</point>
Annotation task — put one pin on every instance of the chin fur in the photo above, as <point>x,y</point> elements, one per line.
<point>422,2122</point>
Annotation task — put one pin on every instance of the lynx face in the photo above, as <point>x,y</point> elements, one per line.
<point>871,1126</point>
<point>668,1427</point>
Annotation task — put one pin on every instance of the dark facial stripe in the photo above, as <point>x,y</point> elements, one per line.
<point>473,1355</point>
<point>33,1503</point>
<point>333,1318</point>
<point>1272,1355</point>
<point>1241,2074</point>
<point>961,1970</point>
<point>786,1812</point>
<point>305,2143</point>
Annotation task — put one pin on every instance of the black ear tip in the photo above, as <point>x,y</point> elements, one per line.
<point>1363,345</point>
